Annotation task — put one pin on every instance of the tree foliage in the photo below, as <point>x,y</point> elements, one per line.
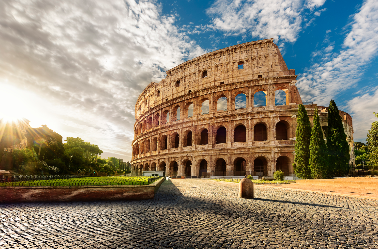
<point>372,144</point>
<point>302,144</point>
<point>361,155</point>
<point>318,151</point>
<point>337,145</point>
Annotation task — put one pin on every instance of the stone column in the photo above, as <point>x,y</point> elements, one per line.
<point>229,170</point>
<point>195,168</point>
<point>181,168</point>
<point>249,167</point>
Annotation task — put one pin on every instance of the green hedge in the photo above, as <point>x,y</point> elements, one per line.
<point>87,181</point>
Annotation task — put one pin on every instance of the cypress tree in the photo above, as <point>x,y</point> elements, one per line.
<point>302,144</point>
<point>337,145</point>
<point>318,150</point>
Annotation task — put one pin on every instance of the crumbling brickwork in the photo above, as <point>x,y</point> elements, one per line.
<point>192,123</point>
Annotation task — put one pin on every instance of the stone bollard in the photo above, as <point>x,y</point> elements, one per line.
<point>246,189</point>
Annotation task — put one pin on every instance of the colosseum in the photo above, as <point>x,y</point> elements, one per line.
<point>230,112</point>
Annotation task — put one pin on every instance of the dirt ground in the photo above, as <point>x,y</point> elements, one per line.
<point>362,187</point>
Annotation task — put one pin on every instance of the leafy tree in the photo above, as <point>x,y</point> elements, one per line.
<point>24,161</point>
<point>318,150</point>
<point>372,143</point>
<point>337,145</point>
<point>302,144</point>
<point>361,155</point>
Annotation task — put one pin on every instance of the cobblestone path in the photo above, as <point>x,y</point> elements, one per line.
<point>196,214</point>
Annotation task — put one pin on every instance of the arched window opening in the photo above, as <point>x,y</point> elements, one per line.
<point>154,144</point>
<point>175,140</point>
<point>260,165</point>
<point>240,166</point>
<point>177,110</point>
<point>174,168</point>
<point>260,133</point>
<point>147,146</point>
<point>240,65</point>
<point>222,104</point>
<point>188,139</point>
<point>164,142</point>
<point>281,130</point>
<point>162,167</point>
<point>240,134</point>
<point>204,137</point>
<point>146,167</point>
<point>283,164</point>
<point>156,120</point>
<point>149,122</point>
<point>280,97</point>
<point>141,148</point>
<point>204,74</point>
<point>190,110</point>
<point>241,101</point>
<point>166,117</point>
<point>221,135</point>
<point>153,166</point>
<point>205,107</point>
<point>158,93</point>
<point>177,83</point>
<point>188,168</point>
<point>259,99</point>
<point>220,167</point>
<point>203,168</point>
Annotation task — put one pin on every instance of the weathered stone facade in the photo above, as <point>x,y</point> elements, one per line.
<point>192,123</point>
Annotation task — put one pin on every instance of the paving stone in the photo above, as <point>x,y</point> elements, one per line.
<point>208,216</point>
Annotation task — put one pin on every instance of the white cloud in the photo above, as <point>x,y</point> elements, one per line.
<point>342,71</point>
<point>89,61</point>
<point>362,108</point>
<point>278,19</point>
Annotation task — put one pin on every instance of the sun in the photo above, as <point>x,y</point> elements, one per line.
<point>13,106</point>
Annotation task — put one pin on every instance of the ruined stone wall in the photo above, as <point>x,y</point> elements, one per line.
<point>215,133</point>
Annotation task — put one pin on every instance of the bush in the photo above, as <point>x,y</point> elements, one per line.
<point>278,175</point>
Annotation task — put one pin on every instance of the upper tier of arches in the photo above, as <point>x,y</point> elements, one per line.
<point>258,60</point>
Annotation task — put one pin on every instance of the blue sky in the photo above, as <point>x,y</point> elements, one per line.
<point>79,66</point>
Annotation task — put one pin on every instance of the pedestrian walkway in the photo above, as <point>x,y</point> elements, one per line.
<point>195,213</point>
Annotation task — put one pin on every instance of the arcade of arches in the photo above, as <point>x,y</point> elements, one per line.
<point>222,166</point>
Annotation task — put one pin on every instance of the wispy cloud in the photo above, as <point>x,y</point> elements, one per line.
<point>340,71</point>
<point>279,19</point>
<point>362,108</point>
<point>89,61</point>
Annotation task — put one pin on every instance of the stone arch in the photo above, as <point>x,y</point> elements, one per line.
<point>283,164</point>
<point>205,107</point>
<point>188,138</point>
<point>220,167</point>
<point>188,168</point>
<point>259,99</point>
<point>165,117</point>
<point>175,140</point>
<point>154,144</point>
<point>261,166</point>
<point>240,166</point>
<point>146,167</point>
<point>173,167</point>
<point>204,74</point>
<point>203,168</point>
<point>141,147</point>
<point>279,97</point>
<point>222,103</point>
<point>282,130</point>
<point>164,142</point>
<point>221,136</point>
<point>153,166</point>
<point>240,133</point>
<point>241,101</point>
<point>204,137</point>
<point>260,132</point>
<point>162,167</point>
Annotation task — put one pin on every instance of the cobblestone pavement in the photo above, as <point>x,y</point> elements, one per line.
<point>196,214</point>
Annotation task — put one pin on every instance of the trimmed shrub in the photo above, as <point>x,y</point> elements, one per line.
<point>278,175</point>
